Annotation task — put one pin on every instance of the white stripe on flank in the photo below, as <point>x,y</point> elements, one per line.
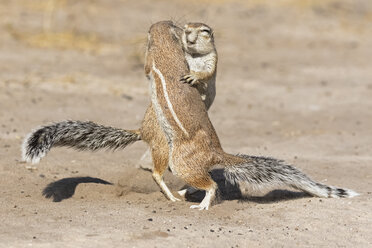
<point>168,131</point>
<point>160,75</point>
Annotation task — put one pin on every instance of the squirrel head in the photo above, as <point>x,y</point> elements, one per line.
<point>197,39</point>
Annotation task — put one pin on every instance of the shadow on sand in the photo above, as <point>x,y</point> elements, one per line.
<point>65,188</point>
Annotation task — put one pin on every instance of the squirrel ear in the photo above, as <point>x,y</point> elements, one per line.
<point>175,35</point>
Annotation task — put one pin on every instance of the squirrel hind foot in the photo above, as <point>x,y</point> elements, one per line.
<point>208,199</point>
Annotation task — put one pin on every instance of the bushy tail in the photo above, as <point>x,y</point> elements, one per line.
<point>76,134</point>
<point>269,172</point>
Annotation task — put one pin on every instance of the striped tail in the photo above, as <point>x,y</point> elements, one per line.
<point>261,172</point>
<point>76,134</point>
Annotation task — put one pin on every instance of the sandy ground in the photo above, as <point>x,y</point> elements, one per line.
<point>294,82</point>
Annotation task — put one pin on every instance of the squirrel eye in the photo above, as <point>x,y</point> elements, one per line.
<point>206,31</point>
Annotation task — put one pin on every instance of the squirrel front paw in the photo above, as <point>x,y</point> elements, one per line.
<point>189,79</point>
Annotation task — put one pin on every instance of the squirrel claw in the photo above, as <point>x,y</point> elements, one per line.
<point>189,79</point>
<point>183,80</point>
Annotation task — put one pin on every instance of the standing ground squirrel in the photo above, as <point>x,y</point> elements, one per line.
<point>179,132</point>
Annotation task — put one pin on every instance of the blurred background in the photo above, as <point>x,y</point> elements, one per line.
<point>294,82</point>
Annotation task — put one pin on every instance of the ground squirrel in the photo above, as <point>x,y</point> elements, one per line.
<point>179,132</point>
<point>201,55</point>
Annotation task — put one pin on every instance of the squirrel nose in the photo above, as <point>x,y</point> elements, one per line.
<point>191,42</point>
<point>191,39</point>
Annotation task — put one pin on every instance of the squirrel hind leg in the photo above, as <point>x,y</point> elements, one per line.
<point>210,195</point>
<point>160,160</point>
<point>164,188</point>
<point>202,181</point>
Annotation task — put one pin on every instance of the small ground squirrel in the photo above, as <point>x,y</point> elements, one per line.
<point>201,56</point>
